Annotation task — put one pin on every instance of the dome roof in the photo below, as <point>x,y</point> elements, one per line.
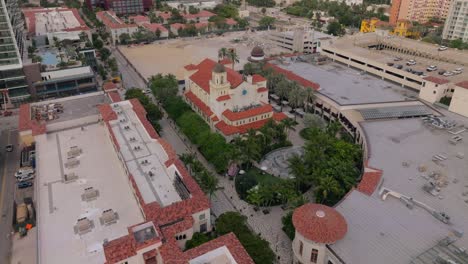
<point>319,223</point>
<point>257,52</point>
<point>218,68</point>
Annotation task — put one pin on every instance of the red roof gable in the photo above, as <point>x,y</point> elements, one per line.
<point>177,26</point>
<point>293,77</point>
<point>223,98</point>
<point>262,89</point>
<point>228,130</point>
<point>139,19</point>
<point>24,117</point>
<point>202,13</point>
<point>153,27</point>
<point>115,97</point>
<point>231,22</point>
<point>203,76</point>
<point>370,180</point>
<point>234,116</point>
<point>258,78</point>
<point>436,80</point>
<point>109,19</point>
<point>230,240</point>
<point>463,84</point>
<point>109,86</point>
<point>165,15</point>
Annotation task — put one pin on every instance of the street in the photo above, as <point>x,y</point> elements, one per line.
<point>8,165</point>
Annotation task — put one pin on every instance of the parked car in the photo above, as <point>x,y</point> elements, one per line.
<point>22,185</point>
<point>409,70</point>
<point>411,62</point>
<point>457,71</point>
<point>24,172</point>
<point>441,72</point>
<point>390,64</point>
<point>25,178</point>
<point>7,113</point>
<point>431,68</point>
<point>448,73</point>
<point>397,59</point>
<point>442,48</point>
<point>398,66</point>
<point>9,148</point>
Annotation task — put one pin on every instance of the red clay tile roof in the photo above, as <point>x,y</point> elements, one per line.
<point>201,25</point>
<point>119,249</point>
<point>107,113</point>
<point>436,80</point>
<point>463,84</point>
<point>370,180</point>
<point>279,116</point>
<point>230,240</point>
<point>262,89</point>
<point>153,27</point>
<point>109,19</point>
<point>141,113</point>
<point>319,223</point>
<point>177,26</point>
<point>114,96</point>
<point>258,78</point>
<point>202,13</point>
<point>139,19</point>
<point>109,86</point>
<point>225,61</point>
<point>215,118</point>
<point>223,98</point>
<point>234,116</point>
<point>293,77</point>
<point>165,15</point>
<point>199,103</point>
<point>229,130</point>
<point>203,76</point>
<point>231,22</point>
<point>190,67</point>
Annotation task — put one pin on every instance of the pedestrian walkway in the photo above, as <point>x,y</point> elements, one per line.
<point>226,199</point>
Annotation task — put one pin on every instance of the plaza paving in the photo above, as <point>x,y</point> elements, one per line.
<point>276,162</point>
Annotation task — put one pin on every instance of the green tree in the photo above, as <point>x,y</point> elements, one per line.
<point>124,38</point>
<point>157,33</point>
<point>288,226</point>
<point>226,10</point>
<point>335,28</point>
<point>105,54</point>
<point>197,240</point>
<point>193,10</point>
<point>98,44</point>
<point>263,10</point>
<point>327,186</point>
<point>298,169</point>
<point>222,53</point>
<point>266,21</point>
<point>164,87</point>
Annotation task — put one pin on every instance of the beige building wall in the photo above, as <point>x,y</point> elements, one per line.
<point>432,92</point>
<point>422,10</point>
<point>456,24</point>
<point>459,103</point>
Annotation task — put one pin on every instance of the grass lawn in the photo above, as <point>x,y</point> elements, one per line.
<point>263,178</point>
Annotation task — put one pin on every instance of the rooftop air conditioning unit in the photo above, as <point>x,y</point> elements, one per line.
<point>70,177</point>
<point>83,226</point>
<point>89,194</point>
<point>109,217</point>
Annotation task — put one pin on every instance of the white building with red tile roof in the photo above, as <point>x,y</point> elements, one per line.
<point>110,190</point>
<point>115,26</point>
<point>154,27</point>
<point>229,102</point>
<point>202,16</point>
<point>62,23</point>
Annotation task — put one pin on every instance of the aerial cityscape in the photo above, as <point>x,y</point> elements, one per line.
<point>234,132</point>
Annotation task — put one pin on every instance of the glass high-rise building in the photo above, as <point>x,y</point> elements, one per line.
<point>12,78</point>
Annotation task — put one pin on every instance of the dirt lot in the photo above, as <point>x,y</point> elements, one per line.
<point>170,56</point>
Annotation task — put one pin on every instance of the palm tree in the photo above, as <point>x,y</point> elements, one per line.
<point>327,186</point>
<point>232,55</point>
<point>288,124</point>
<point>309,97</point>
<point>282,90</point>
<point>222,53</point>
<point>210,183</point>
<point>298,169</point>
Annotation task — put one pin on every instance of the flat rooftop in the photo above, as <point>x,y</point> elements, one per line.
<point>41,21</point>
<point>74,107</point>
<point>61,203</point>
<point>145,158</point>
<point>73,72</point>
<point>357,45</point>
<point>348,86</point>
<point>398,142</point>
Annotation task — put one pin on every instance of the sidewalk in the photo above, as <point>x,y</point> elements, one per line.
<point>268,226</point>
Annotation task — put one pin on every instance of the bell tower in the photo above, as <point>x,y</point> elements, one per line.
<point>219,84</point>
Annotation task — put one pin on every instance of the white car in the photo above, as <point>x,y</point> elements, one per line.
<point>456,72</point>
<point>431,68</point>
<point>448,73</point>
<point>442,48</point>
<point>24,172</point>
<point>411,62</point>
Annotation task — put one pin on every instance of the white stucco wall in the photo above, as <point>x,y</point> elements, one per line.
<point>432,92</point>
<point>459,102</point>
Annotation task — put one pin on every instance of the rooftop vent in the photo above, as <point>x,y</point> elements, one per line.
<point>123,120</point>
<point>72,162</point>
<point>74,152</point>
<point>83,226</point>
<point>109,217</point>
<point>115,106</point>
<point>132,139</point>
<point>89,194</point>
<point>145,162</point>
<point>137,148</point>
<point>119,112</point>
<point>126,127</point>
<point>70,177</point>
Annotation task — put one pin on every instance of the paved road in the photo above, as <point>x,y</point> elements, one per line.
<point>129,77</point>
<point>8,165</point>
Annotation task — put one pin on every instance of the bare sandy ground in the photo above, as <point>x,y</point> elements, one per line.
<point>172,55</point>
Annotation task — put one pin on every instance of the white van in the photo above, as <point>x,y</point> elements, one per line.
<point>24,172</point>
